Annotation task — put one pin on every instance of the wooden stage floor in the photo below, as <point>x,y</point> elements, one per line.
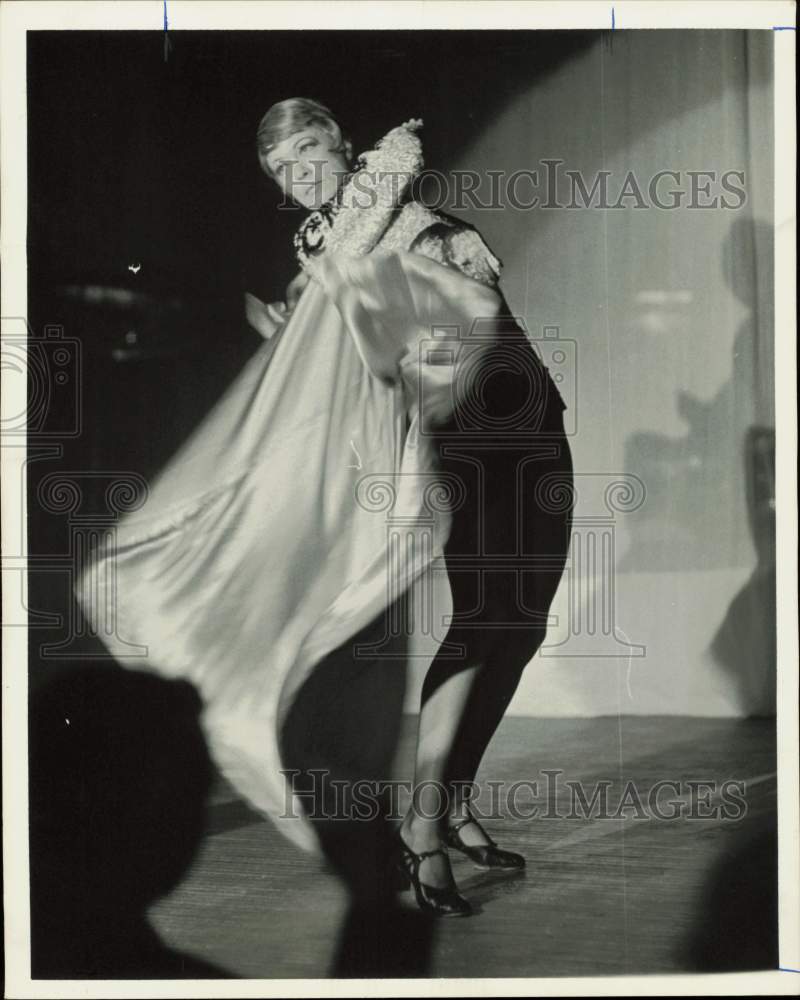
<point>599,897</point>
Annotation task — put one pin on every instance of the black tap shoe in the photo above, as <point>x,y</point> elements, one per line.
<point>442,902</point>
<point>489,855</point>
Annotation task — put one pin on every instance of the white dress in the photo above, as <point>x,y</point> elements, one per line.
<point>263,545</point>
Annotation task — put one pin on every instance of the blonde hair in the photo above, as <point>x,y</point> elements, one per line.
<point>293,115</point>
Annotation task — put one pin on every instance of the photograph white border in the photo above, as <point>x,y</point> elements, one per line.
<point>18,17</point>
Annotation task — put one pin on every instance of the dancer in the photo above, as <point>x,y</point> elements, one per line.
<point>263,521</point>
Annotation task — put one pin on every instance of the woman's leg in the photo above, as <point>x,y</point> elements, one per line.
<point>489,697</point>
<point>508,651</point>
<point>445,693</point>
<point>463,701</point>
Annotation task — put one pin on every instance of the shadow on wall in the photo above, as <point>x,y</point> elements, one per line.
<point>745,645</point>
<point>695,501</point>
<point>119,778</point>
<point>704,487</point>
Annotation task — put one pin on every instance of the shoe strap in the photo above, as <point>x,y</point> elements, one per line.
<point>429,854</point>
<point>455,827</point>
<point>420,856</point>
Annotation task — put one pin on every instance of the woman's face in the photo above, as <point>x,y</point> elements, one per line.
<point>306,168</point>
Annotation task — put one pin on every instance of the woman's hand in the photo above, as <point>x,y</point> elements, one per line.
<point>268,317</point>
<point>294,289</point>
<point>265,317</point>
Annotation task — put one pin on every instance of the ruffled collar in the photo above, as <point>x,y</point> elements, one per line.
<point>354,220</point>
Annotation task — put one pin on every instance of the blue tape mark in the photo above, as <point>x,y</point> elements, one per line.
<point>782,969</point>
<point>613,19</point>
<point>784,27</point>
<point>166,34</point>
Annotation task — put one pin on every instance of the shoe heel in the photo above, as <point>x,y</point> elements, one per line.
<point>441,902</point>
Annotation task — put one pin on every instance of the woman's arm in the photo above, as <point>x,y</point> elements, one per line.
<point>458,245</point>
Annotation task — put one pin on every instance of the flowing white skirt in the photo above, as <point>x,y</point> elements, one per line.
<point>263,545</point>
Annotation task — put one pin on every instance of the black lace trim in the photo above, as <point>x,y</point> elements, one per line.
<point>309,240</point>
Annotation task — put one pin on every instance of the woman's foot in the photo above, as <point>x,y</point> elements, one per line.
<point>423,838</point>
<point>465,834</point>
<point>471,833</point>
<point>441,899</point>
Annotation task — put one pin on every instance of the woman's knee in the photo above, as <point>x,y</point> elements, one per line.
<point>516,649</point>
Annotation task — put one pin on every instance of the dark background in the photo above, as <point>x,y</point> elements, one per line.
<point>135,158</point>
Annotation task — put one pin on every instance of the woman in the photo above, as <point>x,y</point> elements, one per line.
<point>288,554</point>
